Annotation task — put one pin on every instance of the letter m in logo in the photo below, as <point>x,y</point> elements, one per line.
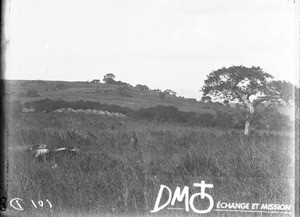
<point>179,196</point>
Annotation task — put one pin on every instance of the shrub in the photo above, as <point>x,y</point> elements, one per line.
<point>159,113</point>
<point>142,88</point>
<point>162,95</point>
<point>95,81</point>
<point>122,83</point>
<point>224,120</point>
<point>61,86</point>
<point>270,118</point>
<point>239,120</point>
<point>14,108</point>
<point>218,103</point>
<point>278,121</point>
<point>31,93</point>
<point>124,91</point>
<point>205,120</point>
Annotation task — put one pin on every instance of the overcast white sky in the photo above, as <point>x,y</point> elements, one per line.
<point>165,44</point>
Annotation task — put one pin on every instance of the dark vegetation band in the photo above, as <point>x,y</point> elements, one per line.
<point>267,117</point>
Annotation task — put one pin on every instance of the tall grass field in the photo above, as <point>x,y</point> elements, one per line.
<point>113,176</point>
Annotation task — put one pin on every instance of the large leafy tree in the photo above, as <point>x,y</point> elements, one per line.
<point>249,86</point>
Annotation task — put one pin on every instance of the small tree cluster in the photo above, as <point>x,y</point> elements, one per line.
<point>142,88</point>
<point>170,92</point>
<point>95,81</point>
<point>110,79</point>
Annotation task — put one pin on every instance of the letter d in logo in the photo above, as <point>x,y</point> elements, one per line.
<point>156,206</point>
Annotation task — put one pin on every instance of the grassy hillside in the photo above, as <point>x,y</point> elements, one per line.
<point>104,93</point>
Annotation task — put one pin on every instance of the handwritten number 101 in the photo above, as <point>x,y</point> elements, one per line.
<point>41,204</point>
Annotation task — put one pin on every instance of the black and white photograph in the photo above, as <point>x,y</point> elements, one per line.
<point>142,108</point>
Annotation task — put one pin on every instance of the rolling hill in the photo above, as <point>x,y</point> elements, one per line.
<point>122,95</point>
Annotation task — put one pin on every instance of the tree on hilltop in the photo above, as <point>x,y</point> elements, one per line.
<point>109,78</point>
